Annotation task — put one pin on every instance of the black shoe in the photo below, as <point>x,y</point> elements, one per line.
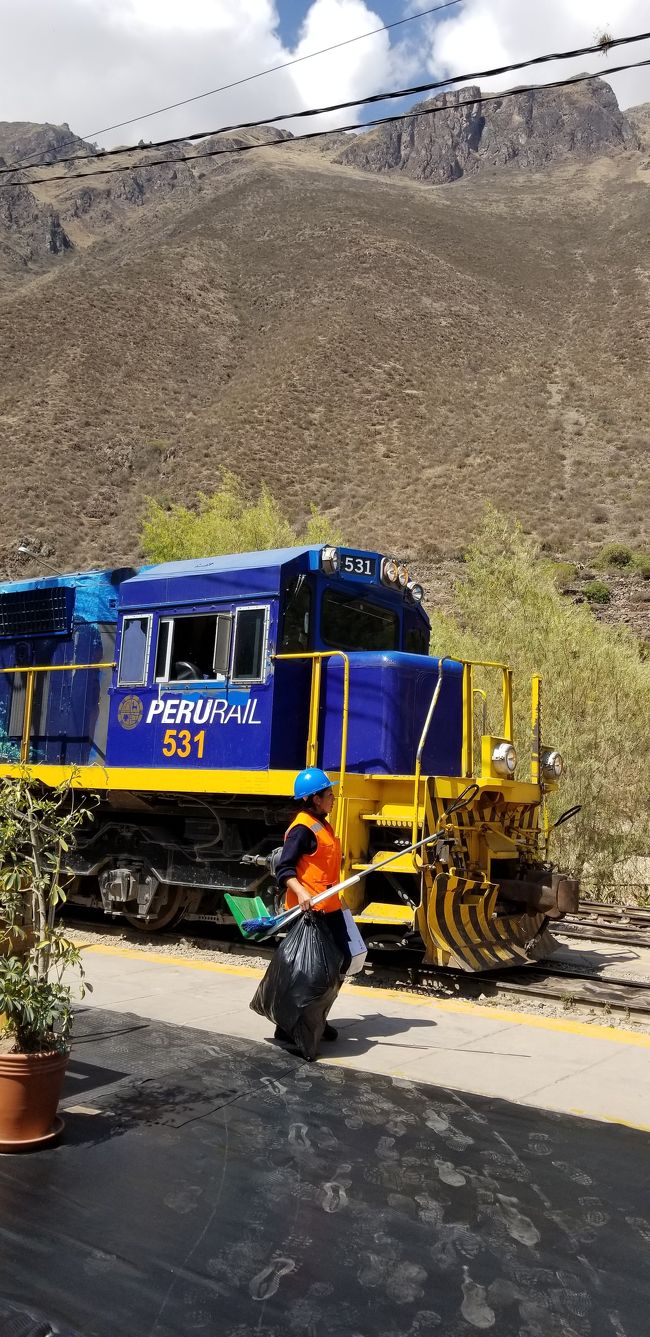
<point>330,1032</point>
<point>283,1036</point>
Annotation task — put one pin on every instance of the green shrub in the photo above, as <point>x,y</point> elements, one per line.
<point>226,521</point>
<point>641,562</point>
<point>615,554</point>
<point>597,592</point>
<point>596,701</point>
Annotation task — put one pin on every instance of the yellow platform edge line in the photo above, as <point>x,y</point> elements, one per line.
<point>594,1031</point>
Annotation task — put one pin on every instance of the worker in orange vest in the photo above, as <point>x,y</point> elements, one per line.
<point>311,862</point>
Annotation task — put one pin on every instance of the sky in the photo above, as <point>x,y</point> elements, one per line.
<point>91,63</point>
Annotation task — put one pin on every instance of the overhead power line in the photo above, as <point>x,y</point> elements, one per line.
<point>385,96</point>
<point>320,134</point>
<point>237,83</point>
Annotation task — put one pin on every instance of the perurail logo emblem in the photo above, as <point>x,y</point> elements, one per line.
<point>130,712</point>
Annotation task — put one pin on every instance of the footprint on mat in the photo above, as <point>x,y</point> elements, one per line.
<point>185,1200</point>
<point>475,1308</point>
<point>438,1122</point>
<point>266,1283</point>
<point>273,1086</point>
<point>539,1144</point>
<point>572,1172</point>
<point>335,1197</point>
<point>450,1175</point>
<point>518,1226</point>
<point>385,1149</point>
<point>298,1135</point>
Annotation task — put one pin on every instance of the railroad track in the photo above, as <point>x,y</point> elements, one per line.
<point>573,986</point>
<point>625,925</point>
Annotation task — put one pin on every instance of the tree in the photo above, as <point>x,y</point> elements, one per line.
<point>227,521</point>
<point>596,703</point>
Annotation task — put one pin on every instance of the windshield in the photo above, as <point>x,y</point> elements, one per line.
<point>357,623</point>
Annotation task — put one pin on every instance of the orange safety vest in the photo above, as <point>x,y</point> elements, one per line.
<point>319,870</point>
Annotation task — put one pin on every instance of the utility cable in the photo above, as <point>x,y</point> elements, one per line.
<point>237,83</point>
<point>357,102</point>
<point>320,134</point>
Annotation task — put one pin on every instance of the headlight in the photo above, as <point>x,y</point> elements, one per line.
<point>329,560</point>
<point>416,592</point>
<point>389,571</point>
<point>552,765</point>
<point>403,575</point>
<point>504,759</point>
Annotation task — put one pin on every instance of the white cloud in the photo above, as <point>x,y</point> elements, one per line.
<point>96,62</point>
<point>351,71</point>
<point>487,33</point>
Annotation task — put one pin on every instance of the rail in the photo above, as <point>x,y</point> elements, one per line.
<point>31,670</point>
<point>317,657</point>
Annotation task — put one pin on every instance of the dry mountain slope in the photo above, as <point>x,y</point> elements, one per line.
<point>398,353</point>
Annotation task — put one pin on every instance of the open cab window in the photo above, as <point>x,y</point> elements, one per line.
<point>192,649</point>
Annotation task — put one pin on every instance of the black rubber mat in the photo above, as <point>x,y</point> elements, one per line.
<point>208,1185</point>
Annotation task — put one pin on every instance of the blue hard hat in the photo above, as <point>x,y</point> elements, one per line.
<point>311,781</point>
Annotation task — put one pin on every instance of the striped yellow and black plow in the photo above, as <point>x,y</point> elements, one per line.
<point>460,926</point>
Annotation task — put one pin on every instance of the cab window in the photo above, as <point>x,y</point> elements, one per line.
<point>357,623</point>
<point>193,648</point>
<point>297,617</point>
<point>134,651</point>
<point>249,651</point>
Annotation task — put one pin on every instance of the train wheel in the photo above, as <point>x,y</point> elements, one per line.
<point>170,914</point>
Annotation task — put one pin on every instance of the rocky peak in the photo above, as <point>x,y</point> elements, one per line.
<point>25,141</point>
<point>465,134</point>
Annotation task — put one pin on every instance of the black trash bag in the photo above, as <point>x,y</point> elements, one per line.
<point>302,982</point>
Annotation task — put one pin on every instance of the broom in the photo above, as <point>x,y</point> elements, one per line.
<point>266,925</point>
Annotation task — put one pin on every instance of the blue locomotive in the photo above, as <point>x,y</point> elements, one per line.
<point>187,695</point>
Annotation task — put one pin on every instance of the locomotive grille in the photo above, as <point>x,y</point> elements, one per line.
<point>45,612</point>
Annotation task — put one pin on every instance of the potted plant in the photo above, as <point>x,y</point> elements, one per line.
<point>38,828</point>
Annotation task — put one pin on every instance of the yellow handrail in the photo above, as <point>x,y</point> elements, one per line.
<point>468,706</point>
<point>536,725</point>
<point>418,756</point>
<point>30,670</point>
<point>317,657</point>
<point>55,668</point>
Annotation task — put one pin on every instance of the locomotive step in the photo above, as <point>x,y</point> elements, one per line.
<point>380,912</point>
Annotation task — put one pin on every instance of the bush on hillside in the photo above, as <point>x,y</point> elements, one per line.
<point>615,554</point>
<point>596,702</point>
<point>597,592</point>
<point>226,521</point>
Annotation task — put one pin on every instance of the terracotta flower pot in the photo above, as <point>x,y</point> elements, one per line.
<point>30,1090</point>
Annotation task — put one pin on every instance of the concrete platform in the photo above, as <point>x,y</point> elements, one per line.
<point>555,1064</point>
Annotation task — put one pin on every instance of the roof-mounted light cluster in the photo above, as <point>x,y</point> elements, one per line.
<point>397,574</point>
